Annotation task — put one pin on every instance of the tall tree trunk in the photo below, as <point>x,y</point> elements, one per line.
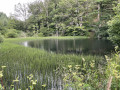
<point>98,17</point>
<point>57,34</point>
<point>77,13</point>
<point>38,25</point>
<point>81,20</point>
<point>47,18</point>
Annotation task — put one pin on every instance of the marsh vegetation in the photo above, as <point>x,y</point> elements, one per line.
<point>65,45</point>
<point>45,67</point>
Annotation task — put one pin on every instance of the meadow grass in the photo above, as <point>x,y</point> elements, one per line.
<point>38,38</point>
<point>22,61</point>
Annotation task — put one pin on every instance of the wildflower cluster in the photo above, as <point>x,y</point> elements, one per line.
<point>1,75</point>
<point>33,82</point>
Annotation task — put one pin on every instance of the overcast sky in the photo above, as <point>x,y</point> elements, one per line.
<point>7,6</point>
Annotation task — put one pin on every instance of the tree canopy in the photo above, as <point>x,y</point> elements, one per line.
<point>65,18</point>
<point>3,20</point>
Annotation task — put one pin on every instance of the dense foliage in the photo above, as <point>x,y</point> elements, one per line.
<point>22,61</point>
<point>94,18</point>
<point>114,26</point>
<point>89,76</point>
<point>71,17</point>
<point>3,21</point>
<point>64,18</point>
<point>57,71</point>
<point>61,18</point>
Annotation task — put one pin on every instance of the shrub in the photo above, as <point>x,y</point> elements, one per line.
<point>89,76</point>
<point>114,30</point>
<point>30,34</point>
<point>3,32</point>
<point>45,31</point>
<point>22,34</point>
<point>40,34</point>
<point>113,70</point>
<point>11,33</point>
<point>114,27</point>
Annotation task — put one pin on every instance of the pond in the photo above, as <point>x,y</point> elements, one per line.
<point>73,46</point>
<point>90,49</point>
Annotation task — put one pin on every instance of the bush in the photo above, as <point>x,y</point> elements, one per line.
<point>45,31</point>
<point>114,30</point>
<point>11,33</point>
<point>90,76</point>
<point>1,38</point>
<point>75,31</point>
<point>30,34</point>
<point>3,32</point>
<point>40,35</point>
<point>69,31</point>
<point>22,34</point>
<point>114,27</point>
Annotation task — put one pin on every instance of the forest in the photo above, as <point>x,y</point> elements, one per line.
<point>94,18</point>
<point>61,45</point>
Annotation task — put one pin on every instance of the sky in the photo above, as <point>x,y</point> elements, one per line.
<point>7,6</point>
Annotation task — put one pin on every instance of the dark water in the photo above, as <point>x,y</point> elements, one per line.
<point>70,46</point>
<point>74,46</point>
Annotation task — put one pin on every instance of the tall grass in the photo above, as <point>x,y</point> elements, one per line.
<point>22,61</point>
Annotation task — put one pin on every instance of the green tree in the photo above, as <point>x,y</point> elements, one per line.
<point>114,26</point>
<point>36,9</point>
<point>21,13</point>
<point>3,21</point>
<point>67,17</point>
<point>15,24</point>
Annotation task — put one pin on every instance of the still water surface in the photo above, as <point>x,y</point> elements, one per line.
<point>69,46</point>
<point>73,46</point>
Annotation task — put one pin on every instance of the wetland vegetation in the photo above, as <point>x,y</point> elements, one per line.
<point>61,45</point>
<point>22,61</point>
<point>47,68</point>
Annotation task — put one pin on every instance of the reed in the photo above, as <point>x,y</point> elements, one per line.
<point>22,61</point>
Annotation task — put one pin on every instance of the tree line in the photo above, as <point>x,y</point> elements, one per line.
<point>64,18</point>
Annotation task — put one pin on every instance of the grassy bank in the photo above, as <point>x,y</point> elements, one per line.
<point>22,61</point>
<point>35,38</point>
